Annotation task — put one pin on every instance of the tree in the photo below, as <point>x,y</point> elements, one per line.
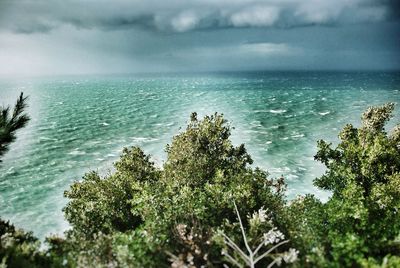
<point>184,214</point>
<point>19,248</point>
<point>175,211</point>
<point>360,224</point>
<point>11,121</point>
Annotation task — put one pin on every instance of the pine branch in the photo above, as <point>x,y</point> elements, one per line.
<point>8,126</point>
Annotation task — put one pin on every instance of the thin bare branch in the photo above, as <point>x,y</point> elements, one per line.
<point>242,228</point>
<point>232,260</point>
<point>272,263</point>
<point>260,246</point>
<point>232,244</point>
<point>270,250</point>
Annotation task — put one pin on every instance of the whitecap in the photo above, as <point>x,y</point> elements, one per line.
<point>139,139</point>
<point>104,124</point>
<point>280,170</point>
<point>76,152</point>
<point>291,176</point>
<point>199,94</point>
<point>277,111</point>
<point>143,139</point>
<point>47,139</point>
<point>298,136</point>
<point>324,113</point>
<point>255,123</point>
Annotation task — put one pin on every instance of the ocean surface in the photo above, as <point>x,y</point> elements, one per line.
<point>81,123</point>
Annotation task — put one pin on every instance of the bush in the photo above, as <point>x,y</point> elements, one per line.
<point>19,248</point>
<point>360,224</point>
<point>183,214</point>
<point>173,211</point>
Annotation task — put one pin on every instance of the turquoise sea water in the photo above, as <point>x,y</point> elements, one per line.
<point>82,123</point>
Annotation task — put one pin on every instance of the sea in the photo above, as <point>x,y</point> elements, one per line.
<point>82,123</point>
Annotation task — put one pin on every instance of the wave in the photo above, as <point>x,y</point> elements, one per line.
<point>277,111</point>
<point>324,113</point>
<point>298,136</point>
<point>76,152</point>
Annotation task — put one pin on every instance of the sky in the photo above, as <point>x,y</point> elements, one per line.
<point>51,37</point>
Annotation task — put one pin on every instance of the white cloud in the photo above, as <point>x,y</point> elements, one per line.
<point>184,21</point>
<point>255,16</point>
<point>240,51</point>
<point>320,12</point>
<point>265,49</point>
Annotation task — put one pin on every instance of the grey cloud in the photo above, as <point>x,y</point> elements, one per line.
<point>28,16</point>
<point>175,35</point>
<point>35,28</point>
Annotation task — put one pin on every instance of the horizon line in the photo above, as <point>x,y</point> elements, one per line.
<point>149,73</point>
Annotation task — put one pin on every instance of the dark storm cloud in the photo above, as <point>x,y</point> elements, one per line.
<point>181,16</point>
<point>71,36</point>
<point>393,7</point>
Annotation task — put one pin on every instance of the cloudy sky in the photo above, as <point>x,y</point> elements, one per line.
<point>120,36</point>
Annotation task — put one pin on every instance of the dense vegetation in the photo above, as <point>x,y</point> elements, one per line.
<point>208,207</point>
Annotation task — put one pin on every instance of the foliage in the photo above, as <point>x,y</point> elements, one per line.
<point>183,213</point>
<point>305,225</point>
<point>175,210</point>
<point>360,224</point>
<point>105,204</point>
<point>10,122</point>
<point>19,248</point>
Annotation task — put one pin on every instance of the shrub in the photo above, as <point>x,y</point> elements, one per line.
<point>175,210</point>
<point>19,248</point>
<point>183,214</point>
<point>360,224</point>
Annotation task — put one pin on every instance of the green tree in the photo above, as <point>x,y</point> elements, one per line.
<point>106,228</point>
<point>19,248</point>
<point>359,226</point>
<point>182,214</point>
<point>305,226</point>
<point>155,213</point>
<point>10,122</point>
<point>105,204</point>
